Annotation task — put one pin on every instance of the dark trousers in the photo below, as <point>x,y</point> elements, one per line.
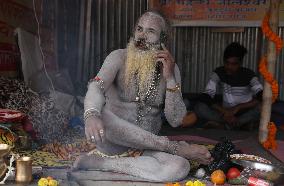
<point>208,113</point>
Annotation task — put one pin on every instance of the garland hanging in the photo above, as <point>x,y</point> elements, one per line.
<point>266,30</point>
<point>268,77</point>
<point>270,142</point>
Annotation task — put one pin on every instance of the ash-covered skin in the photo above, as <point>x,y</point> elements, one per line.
<point>147,31</point>
<point>118,105</point>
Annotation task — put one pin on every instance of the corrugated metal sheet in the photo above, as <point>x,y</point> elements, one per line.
<point>88,30</point>
<point>199,50</point>
<point>112,25</point>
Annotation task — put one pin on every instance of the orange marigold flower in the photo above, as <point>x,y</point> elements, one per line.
<point>169,184</point>
<point>270,142</point>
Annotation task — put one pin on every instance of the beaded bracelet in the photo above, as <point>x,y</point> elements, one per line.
<point>91,112</point>
<point>99,81</point>
<point>175,89</point>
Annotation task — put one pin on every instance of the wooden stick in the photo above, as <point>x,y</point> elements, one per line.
<point>271,58</point>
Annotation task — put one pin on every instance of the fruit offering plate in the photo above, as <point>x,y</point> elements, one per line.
<point>259,167</point>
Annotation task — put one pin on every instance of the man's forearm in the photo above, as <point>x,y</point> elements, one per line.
<point>175,109</point>
<point>247,105</point>
<point>94,98</point>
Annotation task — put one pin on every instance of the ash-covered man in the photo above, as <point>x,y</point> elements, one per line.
<point>241,93</point>
<point>123,110</point>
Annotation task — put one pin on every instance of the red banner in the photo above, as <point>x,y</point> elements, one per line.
<point>9,57</point>
<point>17,15</point>
<point>214,12</point>
<point>6,30</point>
<point>13,14</point>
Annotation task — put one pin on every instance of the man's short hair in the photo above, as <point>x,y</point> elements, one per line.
<point>166,30</point>
<point>235,49</point>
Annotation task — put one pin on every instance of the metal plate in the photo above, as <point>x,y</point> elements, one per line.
<point>262,170</point>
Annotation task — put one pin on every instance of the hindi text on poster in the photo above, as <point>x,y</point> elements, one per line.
<point>214,12</point>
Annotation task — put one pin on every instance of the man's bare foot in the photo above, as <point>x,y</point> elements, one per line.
<point>77,163</point>
<point>195,152</point>
<point>85,162</point>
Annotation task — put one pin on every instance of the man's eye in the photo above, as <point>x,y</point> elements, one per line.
<point>152,31</point>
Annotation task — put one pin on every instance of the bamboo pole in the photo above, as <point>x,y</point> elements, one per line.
<point>271,58</point>
<point>87,39</point>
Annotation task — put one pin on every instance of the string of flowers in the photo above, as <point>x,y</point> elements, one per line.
<point>270,142</point>
<point>268,77</point>
<point>266,30</point>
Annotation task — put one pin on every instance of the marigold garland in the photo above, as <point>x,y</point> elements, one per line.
<point>270,34</point>
<point>269,78</point>
<point>270,142</point>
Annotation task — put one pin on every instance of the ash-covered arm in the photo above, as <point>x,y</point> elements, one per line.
<point>95,99</point>
<point>175,108</point>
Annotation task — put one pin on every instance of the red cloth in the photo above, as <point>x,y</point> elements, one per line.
<point>17,117</point>
<point>28,127</point>
<point>11,116</point>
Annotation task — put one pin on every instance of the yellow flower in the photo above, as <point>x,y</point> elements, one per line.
<point>198,183</point>
<point>52,183</point>
<point>195,183</point>
<point>189,183</point>
<point>176,184</point>
<point>42,182</point>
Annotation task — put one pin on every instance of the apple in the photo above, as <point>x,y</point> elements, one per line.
<point>233,173</point>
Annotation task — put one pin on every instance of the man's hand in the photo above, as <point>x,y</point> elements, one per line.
<point>168,62</point>
<point>230,119</point>
<point>94,129</point>
<point>194,152</point>
<point>229,115</point>
<point>234,110</point>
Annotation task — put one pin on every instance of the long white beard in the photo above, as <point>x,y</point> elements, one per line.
<point>141,64</point>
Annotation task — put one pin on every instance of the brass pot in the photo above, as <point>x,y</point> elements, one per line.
<point>24,170</point>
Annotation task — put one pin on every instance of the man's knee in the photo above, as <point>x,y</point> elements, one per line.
<point>183,167</point>
<point>175,170</point>
<point>252,115</point>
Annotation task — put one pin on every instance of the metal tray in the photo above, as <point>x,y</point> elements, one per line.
<point>269,172</point>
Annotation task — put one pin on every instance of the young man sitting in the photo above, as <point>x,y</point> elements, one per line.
<point>241,93</point>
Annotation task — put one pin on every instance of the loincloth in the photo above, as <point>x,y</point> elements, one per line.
<point>129,153</point>
<point>136,153</point>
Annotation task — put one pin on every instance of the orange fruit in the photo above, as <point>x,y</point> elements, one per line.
<point>218,177</point>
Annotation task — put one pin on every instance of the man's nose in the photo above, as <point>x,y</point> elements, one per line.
<point>142,35</point>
